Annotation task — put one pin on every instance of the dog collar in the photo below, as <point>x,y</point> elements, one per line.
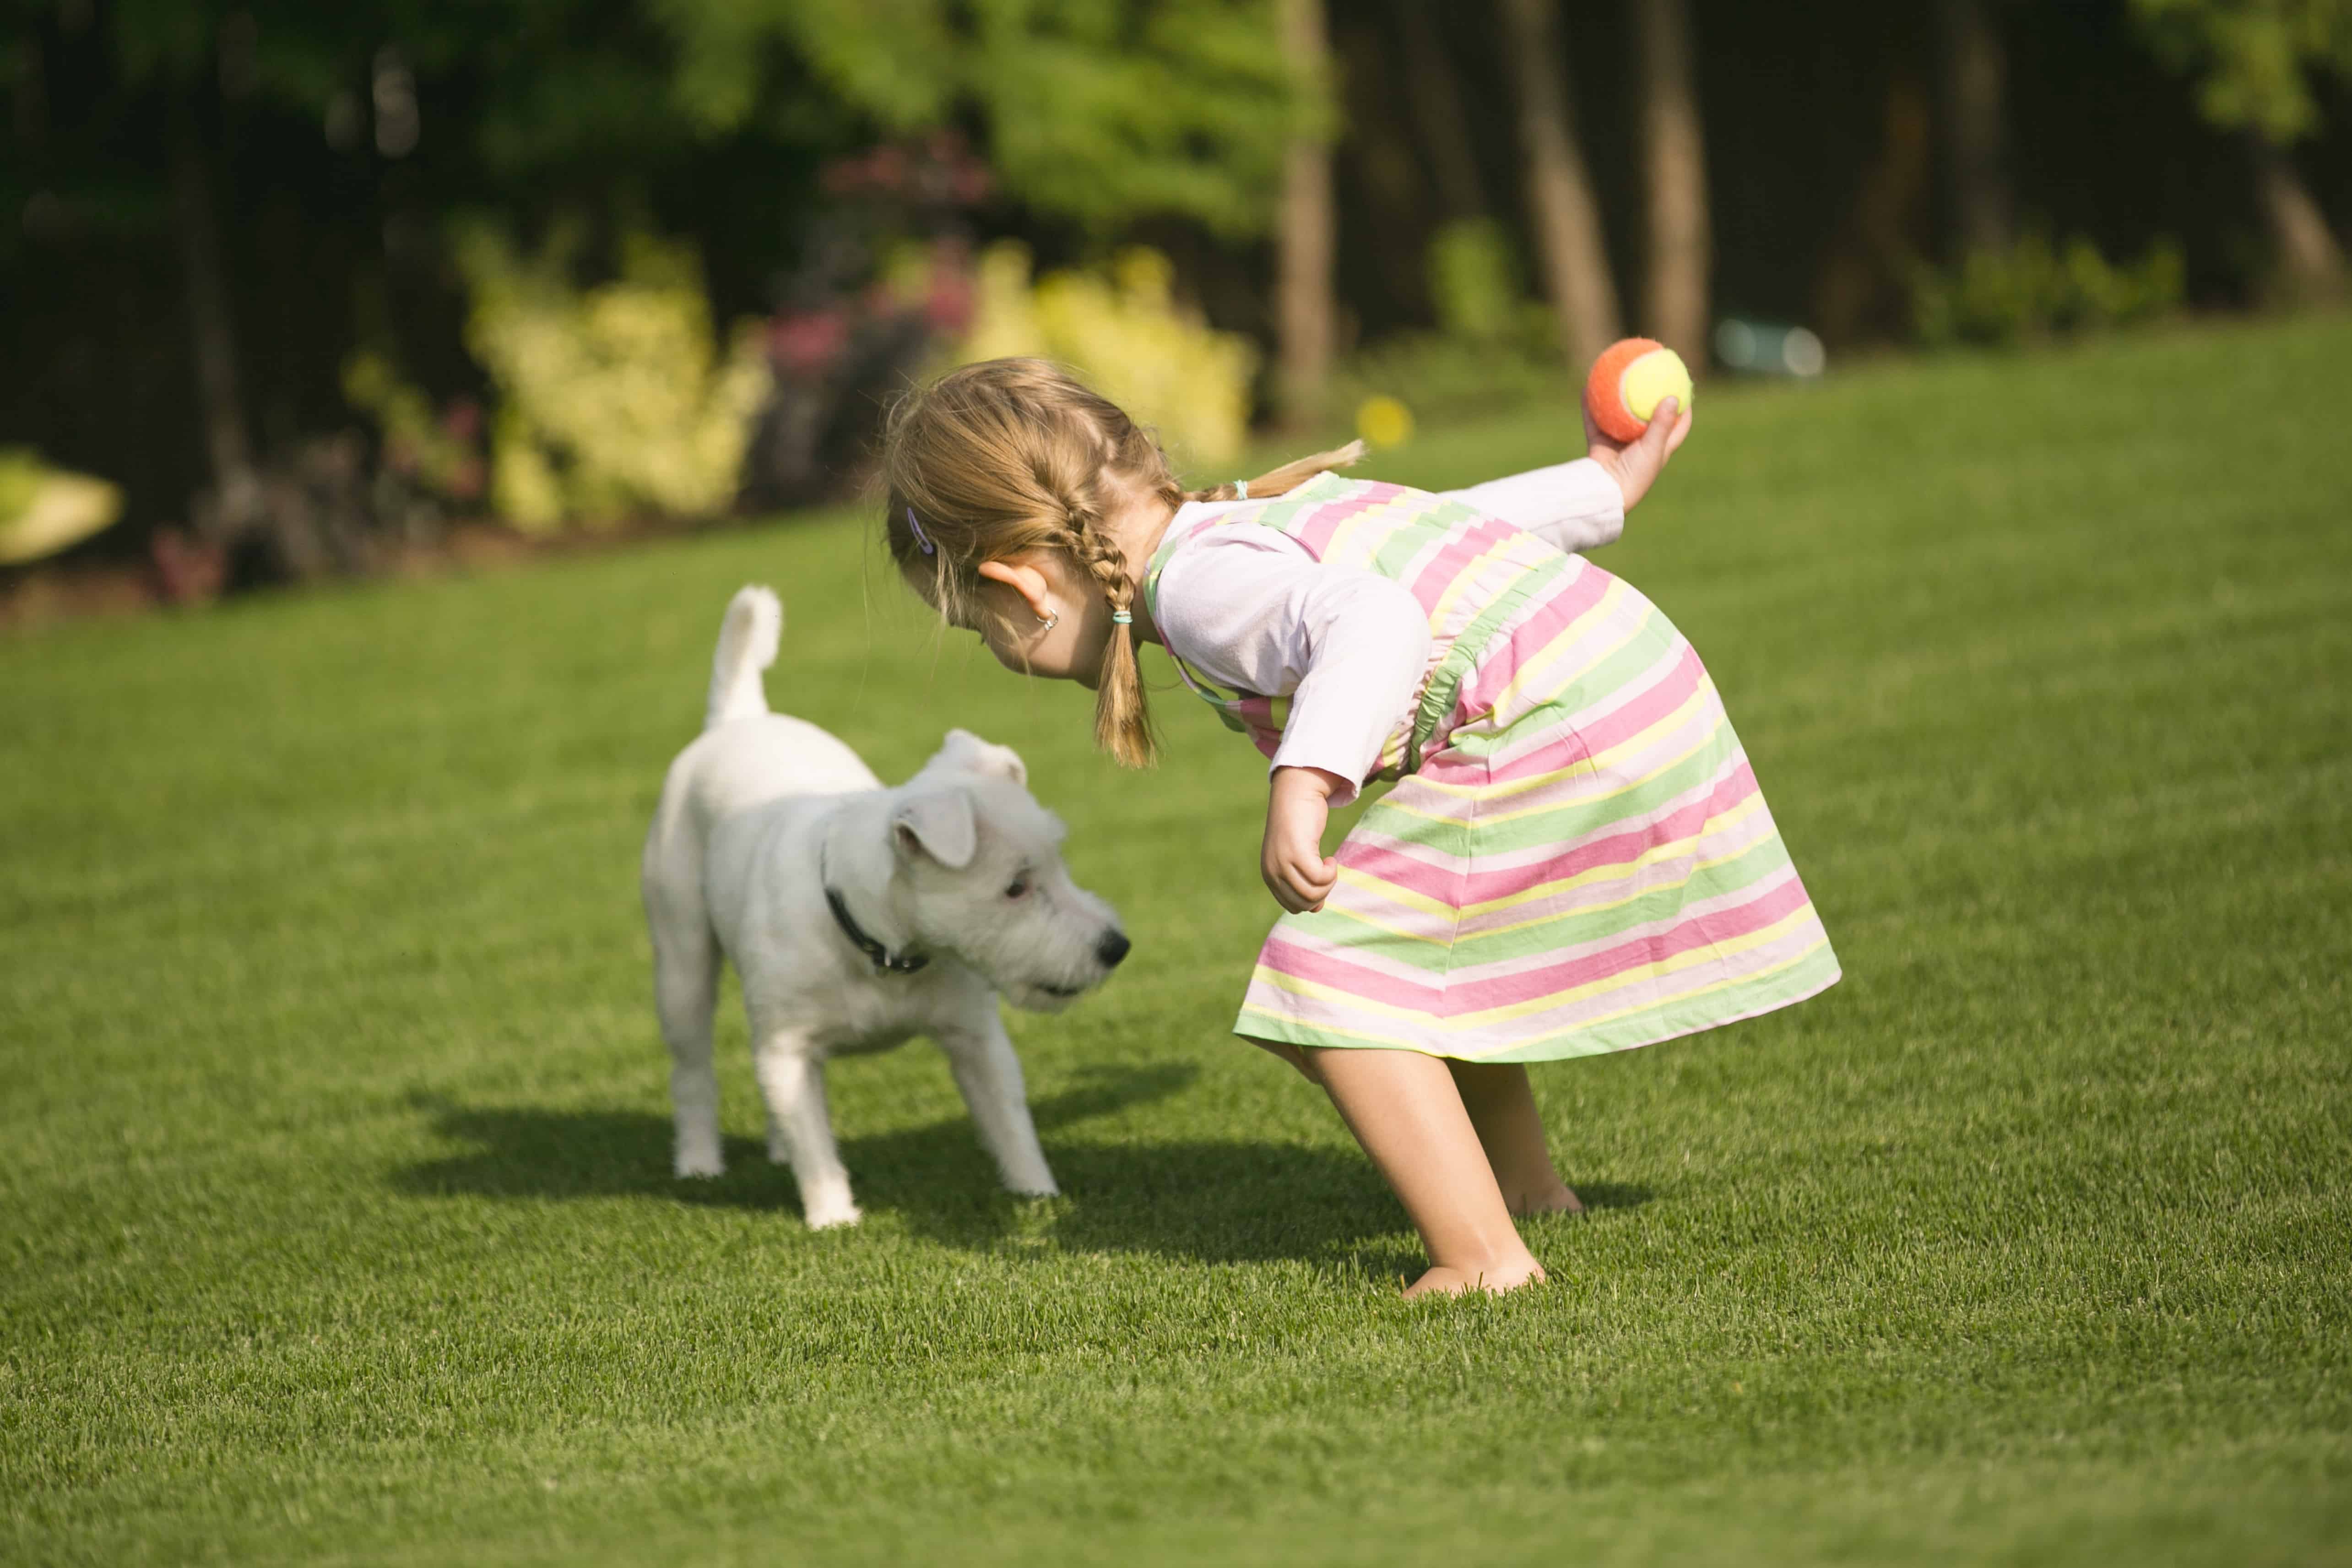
<point>859,937</point>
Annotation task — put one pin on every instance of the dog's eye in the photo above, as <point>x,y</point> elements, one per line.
<point>1020,885</point>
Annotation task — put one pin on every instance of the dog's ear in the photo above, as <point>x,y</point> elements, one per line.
<point>964,749</point>
<point>940,823</point>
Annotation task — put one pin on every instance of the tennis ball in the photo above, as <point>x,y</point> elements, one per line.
<point>1627,382</point>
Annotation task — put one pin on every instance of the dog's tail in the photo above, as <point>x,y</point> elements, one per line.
<point>747,645</point>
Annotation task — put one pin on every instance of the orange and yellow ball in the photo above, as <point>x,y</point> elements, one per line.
<point>1627,382</point>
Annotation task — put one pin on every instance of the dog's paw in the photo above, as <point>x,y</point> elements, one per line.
<point>701,1163</point>
<point>832,1215</point>
<point>1040,1187</point>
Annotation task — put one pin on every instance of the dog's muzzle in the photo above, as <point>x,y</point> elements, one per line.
<point>1109,951</point>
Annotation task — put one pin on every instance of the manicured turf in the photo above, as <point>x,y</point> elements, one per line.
<point>335,1221</point>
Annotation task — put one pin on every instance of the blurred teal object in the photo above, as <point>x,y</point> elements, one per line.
<point>1769,348</point>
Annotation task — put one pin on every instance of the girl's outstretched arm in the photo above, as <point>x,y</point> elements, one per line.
<point>1581,505</point>
<point>1574,505</point>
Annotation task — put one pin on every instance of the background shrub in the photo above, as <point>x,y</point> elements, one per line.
<point>612,400</point>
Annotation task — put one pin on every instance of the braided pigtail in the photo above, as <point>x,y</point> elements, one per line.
<point>1122,716</point>
<point>1284,480</point>
<point>1014,455</point>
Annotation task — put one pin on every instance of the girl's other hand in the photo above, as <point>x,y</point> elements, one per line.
<point>1635,465</point>
<point>1298,803</point>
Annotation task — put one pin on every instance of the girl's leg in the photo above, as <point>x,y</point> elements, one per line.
<point>1293,1055</point>
<point>1501,1107</point>
<point>1404,1109</point>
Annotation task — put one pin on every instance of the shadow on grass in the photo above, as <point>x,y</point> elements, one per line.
<point>1208,1200</point>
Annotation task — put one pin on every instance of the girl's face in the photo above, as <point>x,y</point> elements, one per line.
<point>1016,595</point>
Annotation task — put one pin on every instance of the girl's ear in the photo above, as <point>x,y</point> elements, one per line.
<point>1024,578</point>
<point>938,823</point>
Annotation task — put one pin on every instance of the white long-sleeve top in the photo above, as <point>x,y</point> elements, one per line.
<point>1249,610</point>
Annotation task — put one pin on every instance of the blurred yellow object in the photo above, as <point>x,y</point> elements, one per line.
<point>44,510</point>
<point>1127,337</point>
<point>1384,421</point>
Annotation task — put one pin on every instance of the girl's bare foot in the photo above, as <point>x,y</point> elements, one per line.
<point>1404,1107</point>
<point>1443,1281</point>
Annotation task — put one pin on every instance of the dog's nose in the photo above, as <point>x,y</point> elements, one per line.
<point>1113,947</point>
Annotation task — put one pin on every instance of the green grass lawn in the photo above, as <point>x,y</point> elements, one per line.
<point>336,1221</point>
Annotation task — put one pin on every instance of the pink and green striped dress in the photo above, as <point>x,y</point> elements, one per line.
<point>1575,857</point>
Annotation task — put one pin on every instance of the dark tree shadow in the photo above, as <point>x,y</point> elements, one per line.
<point>1208,1200</point>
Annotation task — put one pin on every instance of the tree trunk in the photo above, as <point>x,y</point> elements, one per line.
<point>1975,72</point>
<point>1307,241</point>
<point>1560,189</point>
<point>1436,101</point>
<point>1681,251</point>
<point>2310,264</point>
<point>237,487</point>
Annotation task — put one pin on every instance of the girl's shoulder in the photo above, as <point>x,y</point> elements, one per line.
<point>1216,525</point>
<point>1263,522</point>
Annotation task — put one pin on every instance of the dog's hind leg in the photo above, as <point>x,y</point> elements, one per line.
<point>981,1056</point>
<point>800,1127</point>
<point>686,990</point>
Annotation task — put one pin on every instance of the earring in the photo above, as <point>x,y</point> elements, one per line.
<point>1048,621</point>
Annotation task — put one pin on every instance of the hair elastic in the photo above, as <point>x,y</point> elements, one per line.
<point>920,537</point>
<point>1240,490</point>
<point>1122,618</point>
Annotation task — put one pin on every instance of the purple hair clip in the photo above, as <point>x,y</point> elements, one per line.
<point>920,537</point>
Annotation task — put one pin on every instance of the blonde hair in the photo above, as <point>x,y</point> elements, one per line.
<point>1010,455</point>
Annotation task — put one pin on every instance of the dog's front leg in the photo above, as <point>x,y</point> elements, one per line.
<point>981,1056</point>
<point>800,1129</point>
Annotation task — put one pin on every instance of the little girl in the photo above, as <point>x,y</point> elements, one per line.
<point>1575,858</point>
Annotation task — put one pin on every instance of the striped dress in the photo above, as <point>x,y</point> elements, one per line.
<point>1575,858</point>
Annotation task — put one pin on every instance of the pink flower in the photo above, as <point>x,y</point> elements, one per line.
<point>804,342</point>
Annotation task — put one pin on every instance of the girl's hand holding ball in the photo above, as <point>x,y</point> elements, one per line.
<point>1637,410</point>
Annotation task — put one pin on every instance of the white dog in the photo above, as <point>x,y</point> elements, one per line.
<point>856,916</point>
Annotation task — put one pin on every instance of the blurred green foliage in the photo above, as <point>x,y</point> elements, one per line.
<point>1099,110</point>
<point>417,439</point>
<point>1494,346</point>
<point>2035,290</point>
<point>1475,279</point>
<point>2254,60</point>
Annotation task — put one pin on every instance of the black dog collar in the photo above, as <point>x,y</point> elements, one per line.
<point>859,938</point>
